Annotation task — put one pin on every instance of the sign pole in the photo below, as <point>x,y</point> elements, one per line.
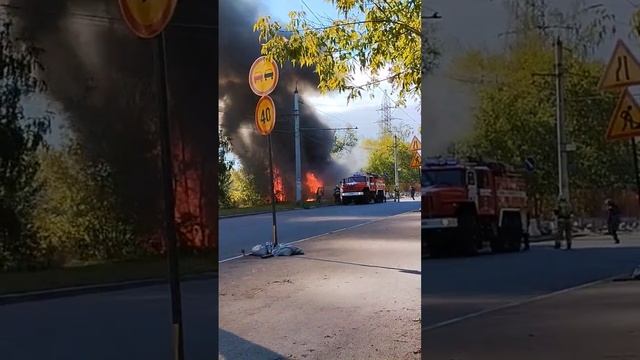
<point>273,197</point>
<point>169,203</point>
<point>263,78</point>
<point>635,166</point>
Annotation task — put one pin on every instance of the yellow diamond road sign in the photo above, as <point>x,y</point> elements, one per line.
<point>623,69</point>
<point>415,162</point>
<point>265,115</point>
<point>415,144</point>
<point>625,122</point>
<point>263,76</point>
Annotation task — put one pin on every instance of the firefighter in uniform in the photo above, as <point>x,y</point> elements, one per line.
<point>336,194</point>
<point>319,194</point>
<point>613,219</point>
<point>563,214</point>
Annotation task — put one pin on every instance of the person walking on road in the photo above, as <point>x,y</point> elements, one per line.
<point>613,219</point>
<point>413,193</point>
<point>563,213</point>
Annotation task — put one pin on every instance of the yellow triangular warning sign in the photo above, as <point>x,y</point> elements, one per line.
<point>415,162</point>
<point>625,122</point>
<point>415,144</point>
<point>623,69</point>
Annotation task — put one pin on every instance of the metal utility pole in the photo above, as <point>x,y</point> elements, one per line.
<point>395,160</point>
<point>296,116</point>
<point>169,203</point>
<point>563,173</point>
<point>635,165</point>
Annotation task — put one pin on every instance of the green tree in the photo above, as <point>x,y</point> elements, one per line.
<point>76,210</point>
<point>379,36</point>
<point>243,191</point>
<point>515,113</point>
<point>20,138</point>
<point>381,160</point>
<point>344,142</point>
<point>225,167</point>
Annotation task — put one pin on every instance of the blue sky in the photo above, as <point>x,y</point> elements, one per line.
<point>333,108</point>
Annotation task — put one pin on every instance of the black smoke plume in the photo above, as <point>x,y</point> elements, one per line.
<point>239,47</point>
<point>105,79</point>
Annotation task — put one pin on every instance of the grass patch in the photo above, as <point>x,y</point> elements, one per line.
<point>267,208</point>
<point>16,282</point>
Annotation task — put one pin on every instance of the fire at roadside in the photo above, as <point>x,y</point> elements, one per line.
<point>239,47</point>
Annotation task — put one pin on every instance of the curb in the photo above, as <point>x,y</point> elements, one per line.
<point>552,238</point>
<point>91,289</point>
<point>269,212</point>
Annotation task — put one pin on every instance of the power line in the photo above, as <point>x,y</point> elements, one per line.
<point>331,129</point>
<point>104,19</point>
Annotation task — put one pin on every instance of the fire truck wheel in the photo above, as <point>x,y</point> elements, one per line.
<point>498,243</point>
<point>514,240</point>
<point>366,198</point>
<point>469,231</point>
<point>510,233</point>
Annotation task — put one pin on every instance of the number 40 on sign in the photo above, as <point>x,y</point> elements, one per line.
<point>265,115</point>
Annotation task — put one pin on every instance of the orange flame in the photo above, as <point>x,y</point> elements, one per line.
<point>313,184</point>
<point>278,186</point>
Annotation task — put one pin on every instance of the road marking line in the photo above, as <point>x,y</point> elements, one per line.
<point>231,258</point>
<point>517,303</point>
<point>325,234</point>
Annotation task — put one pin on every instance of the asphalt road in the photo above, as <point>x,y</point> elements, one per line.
<point>480,295</point>
<point>246,231</point>
<point>131,324</point>
<point>355,294</point>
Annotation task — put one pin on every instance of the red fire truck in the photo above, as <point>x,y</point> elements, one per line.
<point>467,205</point>
<point>362,188</point>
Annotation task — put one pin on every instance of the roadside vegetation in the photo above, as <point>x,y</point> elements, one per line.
<point>516,104</point>
<point>61,216</point>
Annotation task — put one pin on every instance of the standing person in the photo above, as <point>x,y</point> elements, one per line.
<point>396,192</point>
<point>413,193</point>
<point>319,194</point>
<point>613,219</point>
<point>336,194</point>
<point>563,213</point>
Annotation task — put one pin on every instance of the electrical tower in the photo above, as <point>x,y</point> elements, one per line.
<point>385,115</point>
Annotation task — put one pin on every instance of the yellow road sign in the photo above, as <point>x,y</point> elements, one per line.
<point>147,18</point>
<point>415,144</point>
<point>625,122</point>
<point>265,115</point>
<point>416,161</point>
<point>263,76</point>
<point>623,69</point>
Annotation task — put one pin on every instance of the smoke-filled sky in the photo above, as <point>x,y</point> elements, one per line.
<point>476,24</point>
<point>238,49</point>
<point>101,78</point>
<point>332,109</point>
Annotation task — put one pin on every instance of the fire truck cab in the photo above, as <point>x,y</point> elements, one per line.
<point>362,188</point>
<point>467,205</point>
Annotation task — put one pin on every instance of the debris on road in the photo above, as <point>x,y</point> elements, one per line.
<point>279,250</point>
